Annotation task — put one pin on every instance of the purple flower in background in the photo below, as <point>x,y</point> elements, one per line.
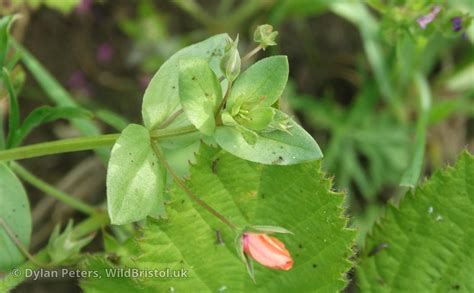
<point>84,7</point>
<point>457,23</point>
<point>424,20</point>
<point>78,82</point>
<point>105,52</point>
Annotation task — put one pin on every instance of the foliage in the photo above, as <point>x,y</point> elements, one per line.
<point>219,155</point>
<point>15,216</point>
<point>428,238</point>
<point>296,197</point>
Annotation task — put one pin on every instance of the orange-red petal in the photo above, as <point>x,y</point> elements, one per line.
<point>267,250</point>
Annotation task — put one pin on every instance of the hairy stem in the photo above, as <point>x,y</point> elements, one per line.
<point>249,55</point>
<point>183,186</point>
<point>51,190</point>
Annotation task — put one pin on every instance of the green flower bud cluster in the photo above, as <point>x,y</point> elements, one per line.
<point>65,247</point>
<point>265,36</point>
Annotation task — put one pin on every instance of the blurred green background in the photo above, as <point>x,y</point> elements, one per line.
<point>388,100</point>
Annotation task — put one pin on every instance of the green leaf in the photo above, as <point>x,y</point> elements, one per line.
<point>135,179</point>
<point>58,94</point>
<point>4,36</point>
<point>429,238</point>
<point>13,107</point>
<point>297,198</point>
<point>200,93</point>
<point>275,148</point>
<point>46,114</point>
<point>161,98</point>
<point>15,214</point>
<point>412,173</point>
<point>262,83</point>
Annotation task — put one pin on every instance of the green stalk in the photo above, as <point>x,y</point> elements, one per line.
<point>59,146</point>
<point>183,186</point>
<point>81,144</point>
<point>51,190</point>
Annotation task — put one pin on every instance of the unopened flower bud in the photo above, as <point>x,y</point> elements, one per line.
<point>230,63</point>
<point>265,36</point>
<point>65,246</point>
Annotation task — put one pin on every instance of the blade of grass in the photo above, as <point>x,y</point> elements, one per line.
<point>13,107</point>
<point>412,174</point>
<point>4,36</point>
<point>359,15</point>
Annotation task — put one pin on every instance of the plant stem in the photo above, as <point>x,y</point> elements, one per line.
<point>166,133</point>
<point>51,190</point>
<point>20,245</point>
<point>59,146</point>
<point>224,100</point>
<point>251,53</point>
<point>80,144</point>
<point>171,118</point>
<point>183,186</point>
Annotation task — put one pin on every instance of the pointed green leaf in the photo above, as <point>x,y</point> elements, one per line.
<point>135,179</point>
<point>46,114</point>
<point>429,238</point>
<point>161,98</point>
<point>5,23</point>
<point>15,214</point>
<point>274,148</point>
<point>262,83</point>
<point>296,197</point>
<point>200,93</point>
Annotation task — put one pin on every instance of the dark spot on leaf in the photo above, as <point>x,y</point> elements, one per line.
<point>13,210</point>
<point>182,201</point>
<point>378,248</point>
<point>214,166</point>
<point>456,287</point>
<point>300,246</point>
<point>173,87</point>
<point>263,195</point>
<point>130,154</point>
<point>194,78</point>
<point>315,265</point>
<point>219,240</point>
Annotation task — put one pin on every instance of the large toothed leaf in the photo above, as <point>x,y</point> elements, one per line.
<point>429,239</point>
<point>274,148</point>
<point>200,93</point>
<point>161,98</point>
<point>296,197</point>
<point>15,214</point>
<point>135,179</point>
<point>262,83</point>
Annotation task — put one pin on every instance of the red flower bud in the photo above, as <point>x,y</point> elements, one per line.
<point>267,250</point>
